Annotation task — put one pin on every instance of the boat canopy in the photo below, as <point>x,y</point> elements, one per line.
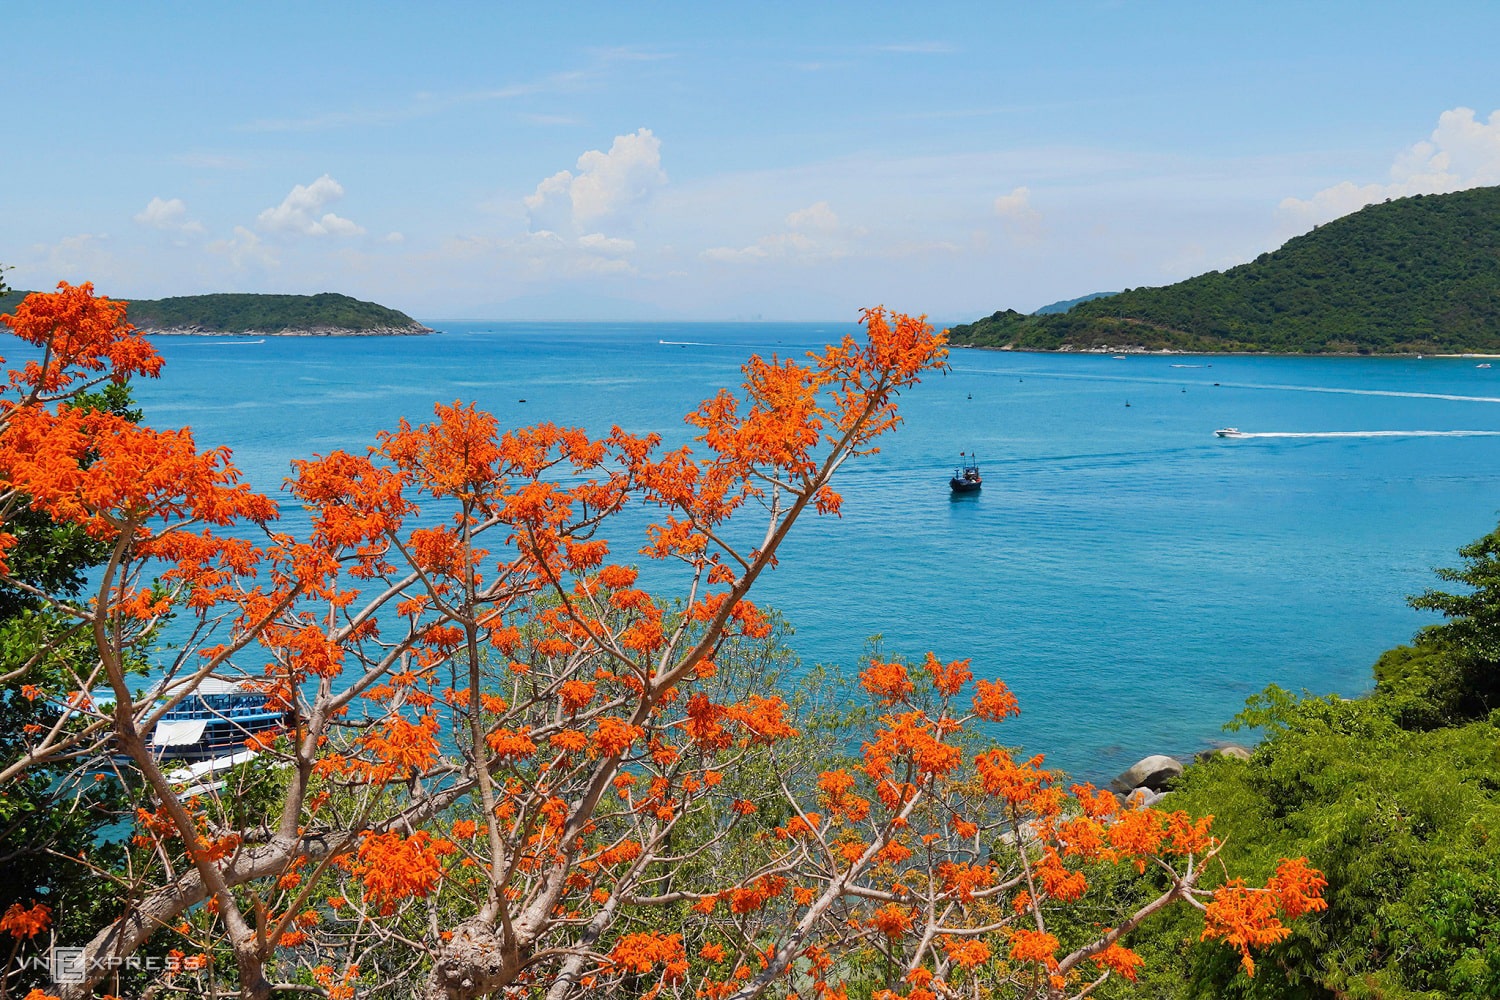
<point>177,734</point>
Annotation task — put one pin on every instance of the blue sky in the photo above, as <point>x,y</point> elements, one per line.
<point>716,161</point>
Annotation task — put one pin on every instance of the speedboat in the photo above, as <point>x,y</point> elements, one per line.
<point>1229,432</point>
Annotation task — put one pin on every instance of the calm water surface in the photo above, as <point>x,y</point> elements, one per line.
<point>1131,576</point>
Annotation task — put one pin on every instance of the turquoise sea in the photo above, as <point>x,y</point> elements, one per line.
<point>1131,576</point>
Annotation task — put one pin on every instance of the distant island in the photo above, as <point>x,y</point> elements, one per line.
<point>1417,275</point>
<point>233,313</point>
<point>1066,304</point>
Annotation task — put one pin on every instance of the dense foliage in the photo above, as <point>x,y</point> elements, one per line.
<point>1415,275</point>
<point>237,312</point>
<point>1395,797</point>
<point>52,815</point>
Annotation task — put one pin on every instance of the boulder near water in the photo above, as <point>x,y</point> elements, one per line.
<point>1154,772</point>
<point>1232,751</point>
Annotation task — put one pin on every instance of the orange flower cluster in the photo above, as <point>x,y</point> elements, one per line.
<point>1033,946</point>
<point>643,951</point>
<point>1246,918</point>
<point>1121,961</point>
<point>888,682</point>
<point>81,334</point>
<point>393,868</point>
<point>23,922</point>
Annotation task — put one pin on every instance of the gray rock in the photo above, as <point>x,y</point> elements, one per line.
<point>1232,751</point>
<point>1154,772</point>
<point>1150,798</point>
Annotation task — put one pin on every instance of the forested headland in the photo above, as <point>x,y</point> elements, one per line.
<point>1417,275</point>
<point>1395,797</point>
<point>324,314</point>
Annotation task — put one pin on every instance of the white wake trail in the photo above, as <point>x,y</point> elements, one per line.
<point>1360,434</point>
<point>1272,386</point>
<point>1367,392</point>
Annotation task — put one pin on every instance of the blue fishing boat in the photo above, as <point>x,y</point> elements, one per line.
<point>214,721</point>
<point>966,478</point>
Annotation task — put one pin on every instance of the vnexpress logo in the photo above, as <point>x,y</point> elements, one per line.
<point>68,966</point>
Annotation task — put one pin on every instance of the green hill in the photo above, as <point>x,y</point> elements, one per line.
<point>1066,304</point>
<point>327,314</point>
<point>1416,275</point>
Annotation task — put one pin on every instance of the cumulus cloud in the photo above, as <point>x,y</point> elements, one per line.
<point>610,245</point>
<point>298,211</point>
<point>604,188</point>
<point>1462,152</point>
<point>169,215</point>
<point>817,216</point>
<point>779,245</point>
<point>1021,219</point>
<point>86,256</point>
<point>1015,204</point>
<point>814,233</point>
<point>245,248</point>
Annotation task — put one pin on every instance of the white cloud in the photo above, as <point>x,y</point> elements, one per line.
<point>169,216</point>
<point>245,248</point>
<point>814,233</point>
<point>1015,205</point>
<point>298,211</point>
<point>394,237</point>
<point>599,243</point>
<point>817,216</point>
<point>1462,152</point>
<point>606,186</point>
<point>84,257</point>
<point>1022,221</point>
<point>780,245</point>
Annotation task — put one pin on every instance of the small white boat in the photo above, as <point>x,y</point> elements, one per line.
<point>1229,432</point>
<point>1485,365</point>
<point>1118,357</point>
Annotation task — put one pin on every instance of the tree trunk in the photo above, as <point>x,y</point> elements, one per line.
<point>475,963</point>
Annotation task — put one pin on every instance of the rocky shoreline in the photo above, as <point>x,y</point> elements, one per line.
<point>1147,780</point>
<point>415,330</point>
<point>1173,351</point>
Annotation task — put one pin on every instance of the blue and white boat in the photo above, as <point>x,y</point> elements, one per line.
<point>214,721</point>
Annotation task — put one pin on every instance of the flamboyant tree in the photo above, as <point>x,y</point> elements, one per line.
<point>507,769</point>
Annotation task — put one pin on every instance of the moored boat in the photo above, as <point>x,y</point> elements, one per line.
<point>214,721</point>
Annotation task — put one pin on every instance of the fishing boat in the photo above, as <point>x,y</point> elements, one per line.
<point>214,721</point>
<point>966,478</point>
